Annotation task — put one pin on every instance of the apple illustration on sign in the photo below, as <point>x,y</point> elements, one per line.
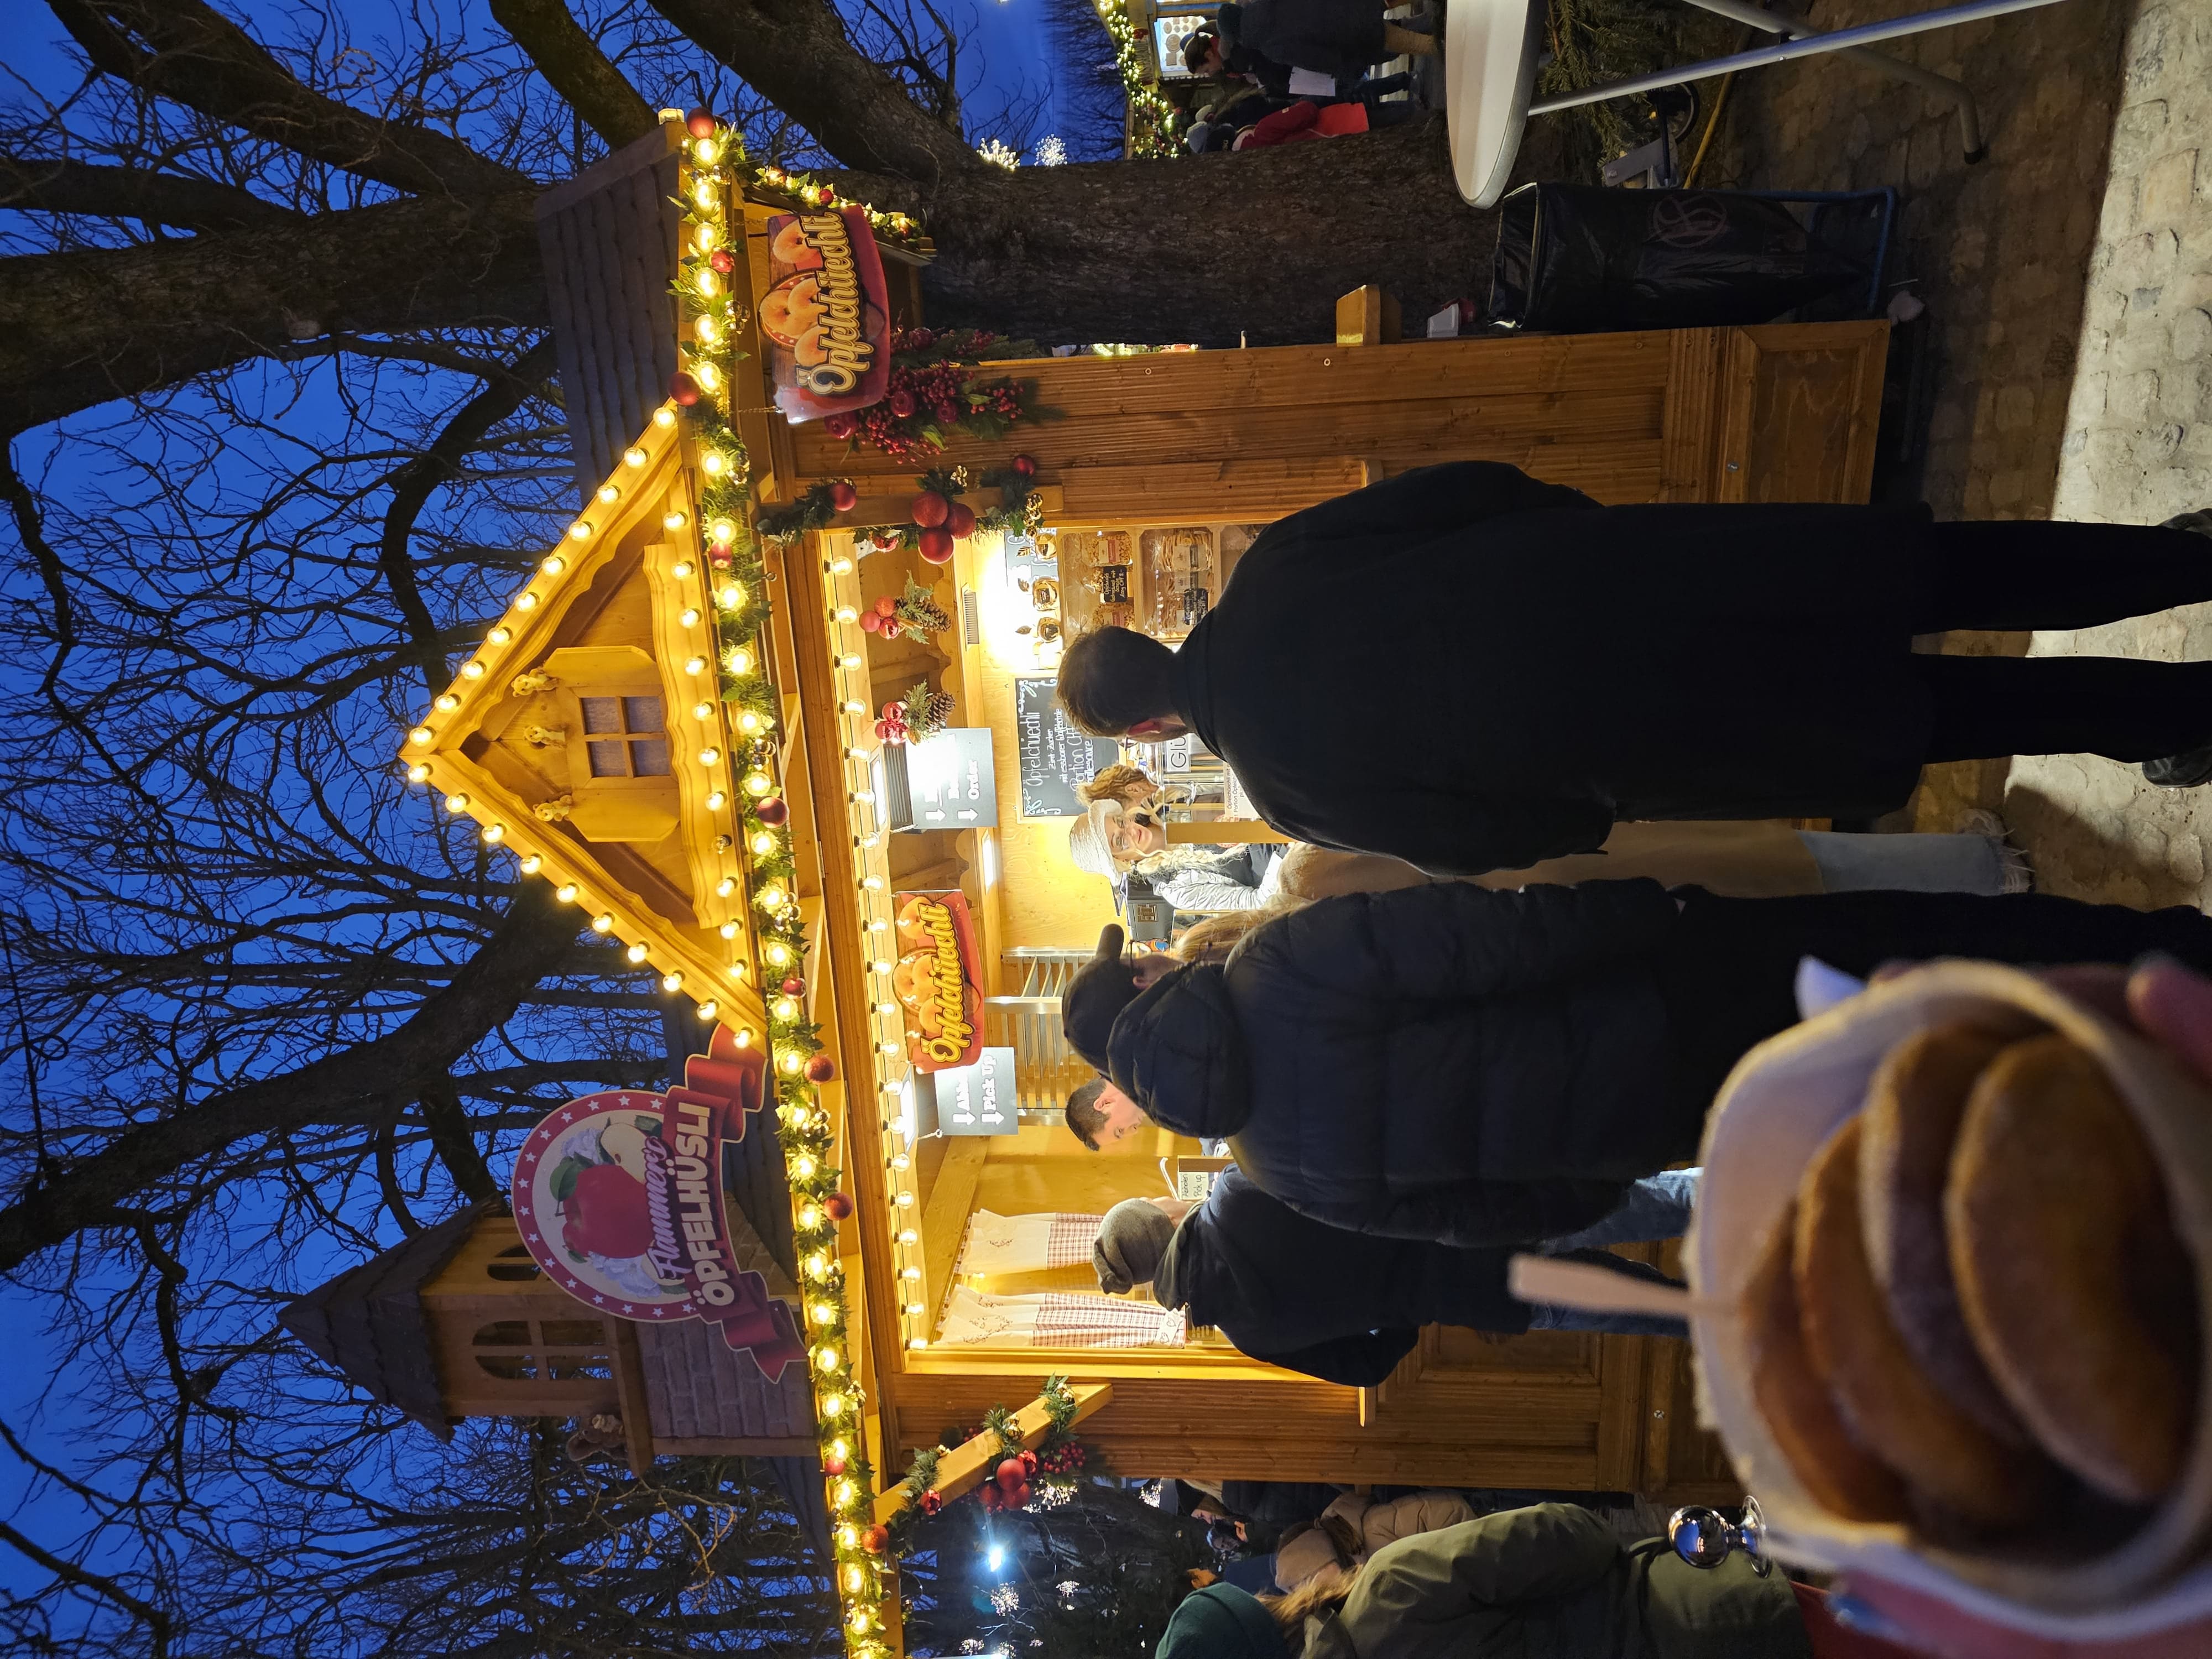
<point>603,1203</point>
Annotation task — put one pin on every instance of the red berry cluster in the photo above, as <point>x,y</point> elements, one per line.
<point>1063,1460</point>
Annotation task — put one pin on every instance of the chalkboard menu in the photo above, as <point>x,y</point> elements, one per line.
<point>1055,755</point>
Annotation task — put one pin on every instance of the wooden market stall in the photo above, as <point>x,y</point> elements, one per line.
<point>675,722</point>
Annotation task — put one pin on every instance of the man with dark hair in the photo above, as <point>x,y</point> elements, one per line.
<point>1099,1114</point>
<point>1527,666</point>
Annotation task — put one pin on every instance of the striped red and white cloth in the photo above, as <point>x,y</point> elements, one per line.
<point>1059,1320</point>
<point>1026,1243</point>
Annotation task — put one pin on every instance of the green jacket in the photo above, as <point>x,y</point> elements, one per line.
<point>1551,1582</point>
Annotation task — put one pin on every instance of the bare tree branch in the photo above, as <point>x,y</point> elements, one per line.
<point>78,329</point>
<point>187,51</point>
<point>573,66</point>
<point>54,184</point>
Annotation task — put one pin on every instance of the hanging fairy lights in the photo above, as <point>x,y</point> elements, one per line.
<point>1152,119</point>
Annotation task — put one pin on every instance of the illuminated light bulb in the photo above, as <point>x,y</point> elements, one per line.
<point>909,1237</point>
<point>671,981</point>
<point>473,670</point>
<point>847,614</point>
<point>723,529</point>
<point>802,1168</point>
<point>499,637</point>
<point>842,566</point>
<point>847,1492</point>
<point>810,1217</point>
<point>786,1008</point>
<point>530,864</point>
<point>580,531</point>
<point>839,1449</point>
<point>833,1405</point>
<point>526,602</point>
<point>900,1161</point>
<point>635,456</point>
<point>770,898</point>
<point>728,885</point>
<point>914,1309</point>
<point>847,1537</point>
<point>554,564</point>
<point>707,1009</point>
<point>703,194</point>
<point>865,797</point>
<point>419,773</point>
<point>763,844</point>
<point>705,151</point>
<point>910,1275</point>
<point>739,659</point>
<point>702,711</point>
<point>709,757</point>
<point>854,1579</point>
<point>906,1200</point>
<point>602,923</point>
<point>609,495</point>
<point>688,618</point>
<point>711,463</point>
<point>878,926</point>
<point>716,800</point>
<point>917,1342</point>
<point>777,953</point>
<point>637,952</point>
<point>758,783</point>
<point>494,833</point>
<point>856,708</point>
<point>851,659</point>
<point>457,803</point>
<point>445,702</point>
<point>729,930</point>
<point>749,722</point>
<point>818,1267</point>
<point>790,1063</point>
<point>706,236</point>
<point>881,967</point>
<point>705,283</point>
<point>677,521</point>
<point>420,734</point>
<point>566,892</point>
<point>703,372</point>
<point>872,884</point>
<point>681,568</point>
<point>664,416</point>
<point>702,329</point>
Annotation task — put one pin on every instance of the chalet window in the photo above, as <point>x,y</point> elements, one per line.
<point>625,736</point>
<point>542,1350</point>
<point>513,1264</point>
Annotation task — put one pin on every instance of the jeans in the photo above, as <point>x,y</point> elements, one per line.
<point>1656,1207</point>
<point>1907,864</point>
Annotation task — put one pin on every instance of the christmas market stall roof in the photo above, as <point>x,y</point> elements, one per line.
<point>369,1321</point>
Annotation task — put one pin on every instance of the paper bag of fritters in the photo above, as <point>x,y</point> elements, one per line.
<point>1783,1101</point>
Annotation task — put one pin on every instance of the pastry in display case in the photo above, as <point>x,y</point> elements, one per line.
<point>1180,573</point>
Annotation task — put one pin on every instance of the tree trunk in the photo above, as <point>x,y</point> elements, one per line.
<point>1256,245</point>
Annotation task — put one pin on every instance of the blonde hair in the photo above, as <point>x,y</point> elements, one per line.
<point>1120,783</point>
<point>1325,1592</point>
<point>1213,938</point>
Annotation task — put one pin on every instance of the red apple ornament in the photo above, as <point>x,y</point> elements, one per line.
<point>930,1502</point>
<point>821,1068</point>
<point>843,496</point>
<point>833,1466</point>
<point>840,1206</point>
<point>772,812</point>
<point>795,987</point>
<point>875,1538</point>
<point>961,520</point>
<point>606,1212</point>
<point>683,389</point>
<point>700,123</point>
<point>935,545</point>
<point>886,606</point>
<point>931,508</point>
<point>1010,1474</point>
<point>1024,465</point>
<point>722,261</point>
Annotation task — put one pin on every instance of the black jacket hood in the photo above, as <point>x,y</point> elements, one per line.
<point>1178,1052</point>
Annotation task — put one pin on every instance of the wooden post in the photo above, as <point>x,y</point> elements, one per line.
<point>1204,831</point>
<point>968,1464</point>
<point>1367,316</point>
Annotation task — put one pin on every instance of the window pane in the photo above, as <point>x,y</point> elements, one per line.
<point>602,714</point>
<point>509,1367</point>
<point>607,759</point>
<point>570,1368</point>
<point>574,1333</point>
<point>513,1272</point>
<point>649,757</point>
<point>641,714</point>
<point>505,1334</point>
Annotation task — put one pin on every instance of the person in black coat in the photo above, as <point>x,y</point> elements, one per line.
<point>1336,38</point>
<point>1473,671</point>
<point>1342,1306</point>
<point>1474,1067</point>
